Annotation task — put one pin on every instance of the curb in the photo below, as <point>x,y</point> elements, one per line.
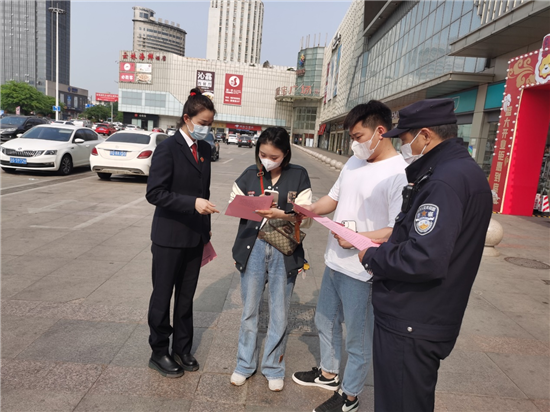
<point>332,163</point>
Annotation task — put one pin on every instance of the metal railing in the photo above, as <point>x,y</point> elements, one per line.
<point>490,10</point>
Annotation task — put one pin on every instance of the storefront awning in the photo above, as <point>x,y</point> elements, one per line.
<point>440,86</point>
<point>526,24</point>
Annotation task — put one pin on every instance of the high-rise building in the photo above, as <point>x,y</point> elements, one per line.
<point>235,30</point>
<point>28,44</point>
<point>152,33</point>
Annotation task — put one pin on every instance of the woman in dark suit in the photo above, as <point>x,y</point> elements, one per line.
<point>179,187</point>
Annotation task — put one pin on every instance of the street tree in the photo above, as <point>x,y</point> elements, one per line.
<point>20,94</point>
<point>97,112</point>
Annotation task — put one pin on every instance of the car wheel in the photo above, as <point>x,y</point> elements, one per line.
<point>104,176</point>
<point>8,170</point>
<point>66,166</point>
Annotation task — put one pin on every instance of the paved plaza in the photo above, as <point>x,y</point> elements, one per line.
<point>76,280</point>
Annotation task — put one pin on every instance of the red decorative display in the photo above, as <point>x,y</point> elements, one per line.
<point>127,67</point>
<point>521,135</point>
<point>233,90</point>
<point>127,77</point>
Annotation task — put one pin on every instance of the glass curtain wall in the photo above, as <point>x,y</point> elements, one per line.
<point>412,47</point>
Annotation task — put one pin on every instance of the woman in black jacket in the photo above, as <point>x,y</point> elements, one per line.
<point>259,262</point>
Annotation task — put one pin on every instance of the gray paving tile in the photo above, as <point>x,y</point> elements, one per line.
<point>19,247</point>
<point>519,302</point>
<point>70,310</point>
<point>529,373</point>
<point>19,332</point>
<point>460,403</point>
<point>117,380</point>
<point>64,249</point>
<point>79,342</point>
<point>127,403</point>
<point>474,373</point>
<point>218,388</point>
<point>18,307</point>
<point>210,406</point>
<point>536,324</point>
<point>222,356</point>
<point>26,400</point>
<point>30,265</point>
<point>209,299</point>
<point>123,254</point>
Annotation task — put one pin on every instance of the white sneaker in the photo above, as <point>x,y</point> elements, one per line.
<point>237,379</point>
<point>276,385</point>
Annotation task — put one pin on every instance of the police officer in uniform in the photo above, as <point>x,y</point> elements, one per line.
<point>423,274</point>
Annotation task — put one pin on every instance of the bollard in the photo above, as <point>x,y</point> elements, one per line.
<point>495,233</point>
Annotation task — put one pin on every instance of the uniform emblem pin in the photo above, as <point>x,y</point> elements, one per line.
<point>426,218</point>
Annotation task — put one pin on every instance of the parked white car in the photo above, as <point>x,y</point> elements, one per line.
<point>232,138</point>
<point>126,152</point>
<point>171,131</point>
<point>49,147</point>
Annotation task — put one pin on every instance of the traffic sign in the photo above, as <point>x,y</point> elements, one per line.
<point>89,105</point>
<point>56,108</point>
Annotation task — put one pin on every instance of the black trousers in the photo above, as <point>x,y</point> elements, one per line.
<point>178,269</point>
<point>405,371</point>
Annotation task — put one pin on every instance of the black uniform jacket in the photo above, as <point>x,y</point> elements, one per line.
<point>175,182</point>
<point>424,273</point>
<point>293,178</point>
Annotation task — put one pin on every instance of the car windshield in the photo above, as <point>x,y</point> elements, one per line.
<point>49,133</point>
<point>12,121</point>
<point>209,138</point>
<point>130,138</point>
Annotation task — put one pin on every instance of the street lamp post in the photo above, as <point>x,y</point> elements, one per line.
<point>57,11</point>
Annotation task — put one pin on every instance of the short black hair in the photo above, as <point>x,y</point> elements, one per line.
<point>196,103</point>
<point>444,131</point>
<point>371,115</point>
<point>278,137</point>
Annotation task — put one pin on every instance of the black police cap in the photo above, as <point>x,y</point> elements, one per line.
<point>425,113</point>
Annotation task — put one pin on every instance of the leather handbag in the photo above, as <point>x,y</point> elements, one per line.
<point>281,234</point>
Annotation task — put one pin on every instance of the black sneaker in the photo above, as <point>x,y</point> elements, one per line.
<point>338,403</point>
<point>315,377</point>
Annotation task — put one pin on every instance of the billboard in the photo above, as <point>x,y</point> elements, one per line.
<point>127,67</point>
<point>144,78</point>
<point>106,97</point>
<point>127,77</point>
<point>233,90</point>
<point>205,80</point>
<point>144,68</point>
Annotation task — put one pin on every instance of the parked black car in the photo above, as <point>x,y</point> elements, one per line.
<point>215,146</point>
<point>245,140</point>
<point>11,126</point>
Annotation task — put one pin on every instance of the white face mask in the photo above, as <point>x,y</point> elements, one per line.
<point>199,132</point>
<point>362,150</point>
<point>270,164</point>
<point>406,151</point>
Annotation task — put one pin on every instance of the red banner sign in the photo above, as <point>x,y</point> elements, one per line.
<point>127,67</point>
<point>233,89</point>
<point>106,97</point>
<point>244,127</point>
<point>127,77</point>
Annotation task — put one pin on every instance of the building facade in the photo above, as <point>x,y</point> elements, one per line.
<point>28,44</point>
<point>152,33</point>
<point>235,31</point>
<point>154,86</point>
<point>74,98</point>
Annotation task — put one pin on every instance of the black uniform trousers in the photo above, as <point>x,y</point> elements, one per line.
<point>405,371</point>
<point>173,268</point>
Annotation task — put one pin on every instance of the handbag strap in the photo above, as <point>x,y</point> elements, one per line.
<point>260,175</point>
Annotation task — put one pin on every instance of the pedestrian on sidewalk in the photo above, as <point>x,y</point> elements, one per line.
<point>366,197</point>
<point>259,262</point>
<point>179,187</point>
<point>424,273</point>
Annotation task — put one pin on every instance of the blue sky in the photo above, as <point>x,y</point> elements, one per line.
<point>99,30</point>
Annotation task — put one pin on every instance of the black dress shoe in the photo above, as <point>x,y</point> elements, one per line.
<point>187,361</point>
<point>166,366</point>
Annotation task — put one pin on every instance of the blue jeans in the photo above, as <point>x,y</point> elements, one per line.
<point>264,264</point>
<point>344,299</point>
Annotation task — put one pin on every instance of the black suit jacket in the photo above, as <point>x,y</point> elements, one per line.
<point>175,181</point>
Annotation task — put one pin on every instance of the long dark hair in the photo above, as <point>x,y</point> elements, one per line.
<point>278,137</point>
<point>196,103</point>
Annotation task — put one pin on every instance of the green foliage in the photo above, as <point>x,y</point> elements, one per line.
<point>13,94</point>
<point>97,113</point>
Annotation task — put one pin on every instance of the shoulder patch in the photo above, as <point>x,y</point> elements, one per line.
<point>426,218</point>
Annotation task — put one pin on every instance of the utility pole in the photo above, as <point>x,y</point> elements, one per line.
<point>57,11</point>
